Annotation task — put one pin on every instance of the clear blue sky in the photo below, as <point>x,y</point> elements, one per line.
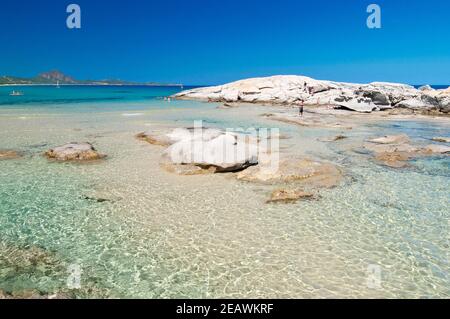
<point>212,41</point>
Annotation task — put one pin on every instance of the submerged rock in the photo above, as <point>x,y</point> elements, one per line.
<point>7,155</point>
<point>187,169</point>
<point>155,138</point>
<point>441,139</point>
<point>313,121</point>
<point>395,150</point>
<point>393,159</point>
<point>228,106</point>
<point>45,273</point>
<point>391,139</point>
<point>387,148</point>
<point>436,149</point>
<point>74,152</point>
<point>98,200</point>
<point>289,196</point>
<point>332,138</point>
<point>311,173</point>
<point>33,294</point>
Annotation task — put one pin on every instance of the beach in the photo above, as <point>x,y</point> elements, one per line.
<point>134,229</point>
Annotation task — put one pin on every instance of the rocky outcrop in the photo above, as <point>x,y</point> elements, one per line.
<point>395,150</point>
<point>308,172</point>
<point>289,89</point>
<point>8,154</point>
<point>436,149</point>
<point>155,138</point>
<point>391,139</point>
<point>186,169</point>
<point>441,139</point>
<point>310,121</point>
<point>289,196</point>
<point>395,159</point>
<point>74,152</point>
<point>439,99</point>
<point>332,138</point>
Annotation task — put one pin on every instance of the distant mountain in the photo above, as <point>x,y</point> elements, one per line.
<point>55,76</point>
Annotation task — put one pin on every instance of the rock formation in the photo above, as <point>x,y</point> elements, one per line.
<point>74,152</point>
<point>395,150</point>
<point>299,170</point>
<point>441,139</point>
<point>287,89</point>
<point>7,154</point>
<point>289,196</point>
<point>155,138</point>
<point>206,148</point>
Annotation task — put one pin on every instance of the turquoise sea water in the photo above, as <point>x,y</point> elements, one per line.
<point>134,230</point>
<point>47,95</point>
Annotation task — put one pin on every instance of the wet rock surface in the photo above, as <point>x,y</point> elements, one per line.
<point>155,138</point>
<point>391,139</point>
<point>34,294</point>
<point>332,138</point>
<point>186,169</point>
<point>32,272</point>
<point>9,154</point>
<point>441,139</point>
<point>393,159</point>
<point>312,173</point>
<point>74,152</point>
<point>311,121</point>
<point>396,150</point>
<point>289,196</point>
<point>436,149</point>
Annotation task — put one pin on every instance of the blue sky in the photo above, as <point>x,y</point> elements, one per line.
<point>212,41</point>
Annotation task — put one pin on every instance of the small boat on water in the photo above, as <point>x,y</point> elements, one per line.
<point>57,85</point>
<point>16,93</point>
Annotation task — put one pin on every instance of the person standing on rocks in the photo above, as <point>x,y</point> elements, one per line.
<point>300,108</point>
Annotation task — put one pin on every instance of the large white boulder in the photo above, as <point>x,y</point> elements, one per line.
<point>225,151</point>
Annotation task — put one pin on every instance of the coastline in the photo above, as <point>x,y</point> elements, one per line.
<point>191,235</point>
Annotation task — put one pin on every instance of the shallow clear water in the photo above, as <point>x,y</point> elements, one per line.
<point>160,235</point>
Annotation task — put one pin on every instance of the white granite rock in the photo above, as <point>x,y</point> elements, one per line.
<point>288,89</point>
<point>225,151</point>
